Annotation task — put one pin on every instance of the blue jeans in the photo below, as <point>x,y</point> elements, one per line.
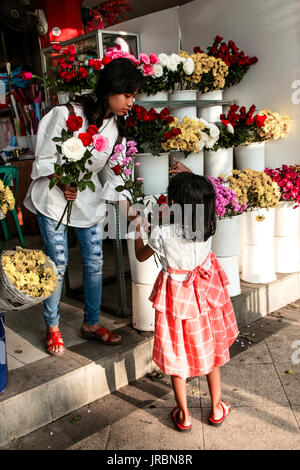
<point>56,247</point>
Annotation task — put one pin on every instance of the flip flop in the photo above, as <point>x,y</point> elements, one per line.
<point>98,336</point>
<point>179,426</point>
<point>218,422</point>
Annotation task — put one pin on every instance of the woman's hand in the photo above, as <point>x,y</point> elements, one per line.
<point>70,192</point>
<point>178,167</point>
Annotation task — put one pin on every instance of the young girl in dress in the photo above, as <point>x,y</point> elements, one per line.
<point>194,319</point>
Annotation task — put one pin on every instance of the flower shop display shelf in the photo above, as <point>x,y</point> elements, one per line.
<point>176,104</point>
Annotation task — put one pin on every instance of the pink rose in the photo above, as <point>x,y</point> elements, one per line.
<point>148,70</point>
<point>144,58</point>
<point>100,142</point>
<point>153,59</point>
<point>26,75</point>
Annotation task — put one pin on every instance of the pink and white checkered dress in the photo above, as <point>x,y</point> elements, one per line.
<point>194,320</point>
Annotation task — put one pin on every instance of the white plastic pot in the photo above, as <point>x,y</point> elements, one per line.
<point>159,96</point>
<point>194,161</point>
<point>219,162</point>
<point>231,268</point>
<point>287,254</point>
<point>258,263</point>
<point>210,113</point>
<point>286,220</point>
<point>226,240</point>
<point>141,272</point>
<point>259,233</point>
<point>250,156</point>
<point>143,314</point>
<point>154,170</point>
<point>188,110</point>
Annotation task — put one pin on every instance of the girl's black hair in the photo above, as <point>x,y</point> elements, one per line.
<point>117,77</point>
<point>188,188</point>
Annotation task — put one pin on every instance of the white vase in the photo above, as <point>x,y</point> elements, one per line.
<point>141,272</point>
<point>286,238</point>
<point>219,162</point>
<point>154,170</point>
<point>63,97</point>
<point>210,113</point>
<point>259,232</point>
<point>159,96</point>
<point>143,314</point>
<point>226,240</point>
<point>188,110</point>
<point>194,161</point>
<point>250,156</point>
<point>231,268</point>
<point>286,220</point>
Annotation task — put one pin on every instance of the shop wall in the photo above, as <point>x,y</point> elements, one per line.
<point>159,32</point>
<point>270,30</point>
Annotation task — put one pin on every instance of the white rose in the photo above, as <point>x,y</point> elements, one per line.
<point>176,58</point>
<point>230,129</point>
<point>203,122</point>
<point>73,149</point>
<point>172,65</point>
<point>213,130</point>
<point>210,142</point>
<point>158,70</point>
<point>189,66</point>
<point>163,59</point>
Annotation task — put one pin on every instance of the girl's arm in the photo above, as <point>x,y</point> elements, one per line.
<point>142,252</point>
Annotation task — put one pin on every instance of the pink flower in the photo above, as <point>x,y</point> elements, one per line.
<point>127,172</point>
<point>140,179</point>
<point>144,58</point>
<point>148,70</point>
<point>26,75</point>
<point>153,59</point>
<point>100,142</point>
<point>138,164</point>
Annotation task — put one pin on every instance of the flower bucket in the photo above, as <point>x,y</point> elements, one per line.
<point>154,170</point>
<point>144,272</point>
<point>2,215</point>
<point>210,113</point>
<point>250,156</point>
<point>219,162</point>
<point>287,254</point>
<point>143,314</point>
<point>3,357</point>
<point>258,263</point>
<point>194,161</point>
<point>231,267</point>
<point>226,240</point>
<point>159,96</point>
<point>188,110</point>
<point>63,97</point>
<point>259,233</point>
<point>286,220</point>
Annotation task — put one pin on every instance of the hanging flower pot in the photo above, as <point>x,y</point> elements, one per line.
<point>154,170</point>
<point>250,156</point>
<point>189,110</point>
<point>194,161</point>
<point>219,162</point>
<point>210,113</point>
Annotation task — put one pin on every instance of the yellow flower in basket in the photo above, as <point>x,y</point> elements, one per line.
<point>7,200</point>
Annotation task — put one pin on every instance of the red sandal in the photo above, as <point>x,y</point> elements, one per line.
<point>55,337</point>
<point>218,422</point>
<point>98,335</point>
<point>179,426</point>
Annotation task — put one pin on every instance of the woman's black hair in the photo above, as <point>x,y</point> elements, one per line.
<point>188,188</point>
<point>117,77</point>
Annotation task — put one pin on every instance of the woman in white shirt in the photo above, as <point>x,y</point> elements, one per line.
<point>106,107</point>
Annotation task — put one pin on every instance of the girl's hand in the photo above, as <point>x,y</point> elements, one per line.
<point>178,167</point>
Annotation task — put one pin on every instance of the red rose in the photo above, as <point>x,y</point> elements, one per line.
<point>91,62</point>
<point>98,64</point>
<point>74,123</point>
<point>84,74</point>
<point>259,121</point>
<point>164,113</point>
<point>106,60</point>
<point>243,112</point>
<point>168,135</point>
<point>214,50</point>
<point>249,121</point>
<point>130,122</point>
<point>56,47</point>
<point>234,107</point>
<point>197,50</point>
<point>176,131</point>
<point>92,130</point>
<point>85,138</point>
<point>170,119</point>
<point>74,74</point>
<point>218,38</point>
<point>162,200</point>
<point>116,169</point>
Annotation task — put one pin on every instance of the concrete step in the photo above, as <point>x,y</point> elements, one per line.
<point>47,389</point>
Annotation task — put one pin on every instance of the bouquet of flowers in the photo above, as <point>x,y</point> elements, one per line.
<point>172,71</point>
<point>243,125</point>
<point>195,135</point>
<point>237,61</point>
<point>288,181</point>
<point>150,129</point>
<point>255,189</point>
<point>7,200</point>
<point>276,126</point>
<point>209,73</point>
<point>145,63</point>
<point>76,154</point>
<point>227,203</point>
<point>27,277</point>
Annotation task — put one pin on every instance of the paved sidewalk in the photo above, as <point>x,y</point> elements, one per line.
<point>262,382</point>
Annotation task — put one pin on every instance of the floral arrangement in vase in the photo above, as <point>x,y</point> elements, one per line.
<point>276,126</point>
<point>173,71</point>
<point>244,125</point>
<point>227,203</point>
<point>255,189</point>
<point>150,129</point>
<point>7,200</point>
<point>288,181</point>
<point>209,72</point>
<point>195,135</point>
<point>237,61</point>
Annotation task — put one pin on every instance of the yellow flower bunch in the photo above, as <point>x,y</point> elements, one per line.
<point>189,139</point>
<point>254,188</point>
<point>276,126</point>
<point>209,72</point>
<point>7,200</point>
<point>27,271</point>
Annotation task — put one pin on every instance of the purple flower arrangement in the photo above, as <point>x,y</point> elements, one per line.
<point>227,204</point>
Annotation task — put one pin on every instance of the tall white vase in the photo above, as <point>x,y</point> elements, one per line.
<point>154,170</point>
<point>141,272</point>
<point>188,110</point>
<point>258,257</point>
<point>286,238</point>
<point>219,162</point>
<point>194,161</point>
<point>231,267</point>
<point>250,156</point>
<point>210,113</point>
<point>143,314</point>
<point>159,96</point>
